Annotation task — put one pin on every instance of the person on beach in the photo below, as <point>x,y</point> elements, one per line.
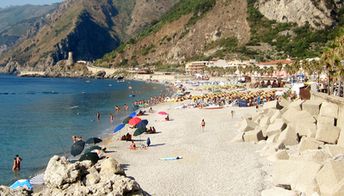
<point>16,163</point>
<point>150,110</point>
<point>148,142</point>
<point>167,118</point>
<point>132,146</point>
<point>98,116</point>
<point>202,124</point>
<point>232,113</point>
<point>126,107</point>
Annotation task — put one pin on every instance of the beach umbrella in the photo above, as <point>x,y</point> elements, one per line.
<point>141,125</point>
<point>92,148</point>
<point>77,147</point>
<point>144,122</point>
<point>126,120</point>
<point>163,113</point>
<point>134,121</point>
<point>93,140</point>
<point>139,131</point>
<point>119,127</point>
<point>91,156</point>
<point>24,183</point>
<point>132,115</point>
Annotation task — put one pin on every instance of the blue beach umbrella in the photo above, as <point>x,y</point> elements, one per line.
<point>25,183</point>
<point>119,127</point>
<point>144,122</point>
<point>132,115</point>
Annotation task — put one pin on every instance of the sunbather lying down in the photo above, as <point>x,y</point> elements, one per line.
<point>134,147</point>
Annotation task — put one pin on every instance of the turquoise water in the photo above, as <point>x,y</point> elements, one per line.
<point>38,116</point>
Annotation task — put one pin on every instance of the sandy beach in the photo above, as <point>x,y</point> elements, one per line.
<point>211,163</point>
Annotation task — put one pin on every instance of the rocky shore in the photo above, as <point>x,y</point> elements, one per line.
<point>61,177</point>
<point>304,143</point>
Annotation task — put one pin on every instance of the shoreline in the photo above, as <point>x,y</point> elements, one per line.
<point>106,134</point>
<point>104,131</point>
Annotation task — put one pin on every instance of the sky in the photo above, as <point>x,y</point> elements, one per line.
<point>5,3</point>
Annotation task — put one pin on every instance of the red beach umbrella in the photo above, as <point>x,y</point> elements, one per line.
<point>134,121</point>
<point>163,113</point>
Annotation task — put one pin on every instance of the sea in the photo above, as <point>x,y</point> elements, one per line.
<point>39,116</point>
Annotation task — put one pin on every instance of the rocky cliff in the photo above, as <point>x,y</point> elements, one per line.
<point>252,29</point>
<point>19,22</point>
<point>317,13</point>
<point>89,29</point>
<point>189,30</point>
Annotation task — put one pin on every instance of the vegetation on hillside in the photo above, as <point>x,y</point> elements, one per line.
<point>197,8</point>
<point>299,42</point>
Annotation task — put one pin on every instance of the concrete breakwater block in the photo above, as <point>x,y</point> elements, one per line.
<point>312,107</point>
<point>327,133</point>
<point>329,110</point>
<point>253,136</point>
<point>247,125</point>
<point>308,143</point>
<point>330,177</point>
<point>288,137</point>
<point>300,175</point>
<point>277,127</point>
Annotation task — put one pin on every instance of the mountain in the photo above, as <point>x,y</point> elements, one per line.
<point>88,28</point>
<point>15,21</point>
<point>212,29</point>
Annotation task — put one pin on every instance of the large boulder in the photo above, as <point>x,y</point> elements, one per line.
<point>328,134</point>
<point>329,176</point>
<point>311,106</point>
<point>109,167</point>
<point>299,175</point>
<point>60,173</point>
<point>6,191</point>
<point>308,143</point>
<point>277,191</point>
<point>83,178</point>
<point>329,110</point>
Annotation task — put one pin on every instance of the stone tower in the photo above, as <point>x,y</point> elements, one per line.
<point>70,60</point>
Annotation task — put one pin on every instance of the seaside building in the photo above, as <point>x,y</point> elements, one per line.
<point>280,74</point>
<point>196,67</point>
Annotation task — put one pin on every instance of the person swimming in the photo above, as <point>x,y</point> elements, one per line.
<point>16,163</point>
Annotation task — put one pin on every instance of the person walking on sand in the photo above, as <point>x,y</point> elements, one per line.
<point>202,124</point>
<point>232,113</point>
<point>16,163</point>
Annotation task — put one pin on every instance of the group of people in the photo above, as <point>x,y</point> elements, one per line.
<point>251,98</point>
<point>149,102</point>
<point>268,83</point>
